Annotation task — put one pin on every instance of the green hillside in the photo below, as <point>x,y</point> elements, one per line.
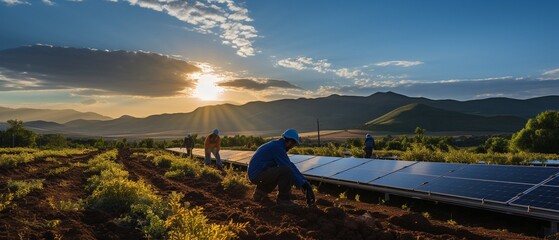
<point>408,117</point>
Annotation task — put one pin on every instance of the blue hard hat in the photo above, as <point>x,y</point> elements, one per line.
<point>216,132</point>
<point>291,134</point>
<point>368,136</point>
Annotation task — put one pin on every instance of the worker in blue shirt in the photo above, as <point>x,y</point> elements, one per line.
<point>270,167</point>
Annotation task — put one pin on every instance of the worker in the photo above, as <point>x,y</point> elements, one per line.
<point>212,146</point>
<point>188,144</point>
<point>369,145</point>
<point>270,167</point>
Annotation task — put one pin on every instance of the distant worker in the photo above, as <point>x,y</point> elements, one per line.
<point>188,143</point>
<point>369,145</point>
<point>212,146</point>
<point>270,167</point>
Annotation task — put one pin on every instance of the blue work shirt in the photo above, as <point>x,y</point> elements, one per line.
<point>273,154</point>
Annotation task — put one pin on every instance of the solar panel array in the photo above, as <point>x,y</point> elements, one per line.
<point>525,190</point>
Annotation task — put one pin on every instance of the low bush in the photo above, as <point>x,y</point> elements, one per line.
<point>23,187</point>
<point>5,200</point>
<point>12,160</point>
<point>235,182</point>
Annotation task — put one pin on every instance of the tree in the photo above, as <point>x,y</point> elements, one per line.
<point>497,145</point>
<point>17,136</point>
<point>540,134</point>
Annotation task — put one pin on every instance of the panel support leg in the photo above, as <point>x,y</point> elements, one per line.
<point>553,229</point>
<point>386,197</point>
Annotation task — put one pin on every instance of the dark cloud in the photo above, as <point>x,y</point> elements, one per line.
<point>117,72</point>
<point>259,85</point>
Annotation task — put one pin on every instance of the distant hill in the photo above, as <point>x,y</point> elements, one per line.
<point>406,118</point>
<point>334,112</point>
<point>58,116</point>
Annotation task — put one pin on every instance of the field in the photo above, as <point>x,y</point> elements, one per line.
<point>65,197</point>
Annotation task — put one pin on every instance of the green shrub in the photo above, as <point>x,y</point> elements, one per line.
<point>12,160</point>
<point>24,187</point>
<point>186,223</point>
<point>5,200</point>
<point>118,194</point>
<point>419,152</point>
<point>59,170</point>
<point>235,182</point>
<point>461,156</point>
<point>66,205</point>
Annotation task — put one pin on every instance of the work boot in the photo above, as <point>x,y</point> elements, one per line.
<point>260,196</point>
<point>287,203</point>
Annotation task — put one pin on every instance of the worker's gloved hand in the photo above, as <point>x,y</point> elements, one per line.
<point>307,189</point>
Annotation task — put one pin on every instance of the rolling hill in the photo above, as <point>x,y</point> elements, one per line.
<point>334,112</point>
<point>58,116</point>
<point>406,118</point>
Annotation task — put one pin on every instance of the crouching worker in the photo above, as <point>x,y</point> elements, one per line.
<point>270,167</point>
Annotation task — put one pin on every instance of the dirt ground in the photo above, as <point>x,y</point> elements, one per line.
<point>32,217</point>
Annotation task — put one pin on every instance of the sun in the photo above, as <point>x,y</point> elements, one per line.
<point>207,88</point>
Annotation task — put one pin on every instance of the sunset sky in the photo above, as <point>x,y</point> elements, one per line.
<point>150,57</point>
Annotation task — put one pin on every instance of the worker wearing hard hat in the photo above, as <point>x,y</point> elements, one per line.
<point>270,167</point>
<point>212,146</point>
<point>188,144</point>
<point>369,145</point>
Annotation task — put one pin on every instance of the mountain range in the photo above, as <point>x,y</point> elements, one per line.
<point>385,112</point>
<point>58,116</point>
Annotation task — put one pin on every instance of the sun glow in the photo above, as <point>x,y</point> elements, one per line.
<point>207,88</point>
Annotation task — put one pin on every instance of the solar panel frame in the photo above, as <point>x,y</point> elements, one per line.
<point>553,182</point>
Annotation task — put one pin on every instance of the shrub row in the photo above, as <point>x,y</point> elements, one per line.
<point>139,204</point>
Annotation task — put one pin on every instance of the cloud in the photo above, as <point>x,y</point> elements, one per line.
<point>399,63</point>
<point>89,101</point>
<point>321,66</point>
<point>14,2</point>
<point>552,72</point>
<point>222,17</point>
<point>48,2</point>
<point>255,84</point>
<point>109,72</point>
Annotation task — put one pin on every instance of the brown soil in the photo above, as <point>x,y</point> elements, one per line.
<point>329,218</point>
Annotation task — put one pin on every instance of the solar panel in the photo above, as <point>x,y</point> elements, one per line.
<point>315,162</point>
<point>532,175</point>
<point>299,158</point>
<point>332,168</point>
<point>432,168</point>
<point>554,182</point>
<point>541,197</point>
<point>403,180</point>
<point>226,154</point>
<point>488,190</point>
<point>371,170</point>
<point>241,155</point>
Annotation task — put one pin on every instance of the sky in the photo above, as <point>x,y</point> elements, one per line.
<point>142,58</point>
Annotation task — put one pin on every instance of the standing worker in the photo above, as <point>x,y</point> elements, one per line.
<point>270,167</point>
<point>212,146</point>
<point>369,145</point>
<point>188,144</point>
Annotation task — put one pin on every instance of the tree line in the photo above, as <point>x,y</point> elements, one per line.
<point>540,134</point>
